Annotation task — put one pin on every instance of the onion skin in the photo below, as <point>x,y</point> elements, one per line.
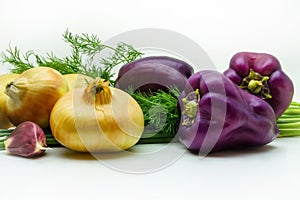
<point>33,94</point>
<point>88,122</point>
<point>4,79</point>
<point>4,121</point>
<point>7,78</point>
<point>154,73</point>
<point>77,80</point>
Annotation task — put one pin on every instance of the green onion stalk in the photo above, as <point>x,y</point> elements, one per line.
<point>289,121</point>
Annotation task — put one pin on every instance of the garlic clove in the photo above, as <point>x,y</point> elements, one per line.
<point>27,140</point>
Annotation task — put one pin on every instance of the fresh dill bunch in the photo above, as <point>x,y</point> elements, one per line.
<point>161,114</point>
<point>84,47</point>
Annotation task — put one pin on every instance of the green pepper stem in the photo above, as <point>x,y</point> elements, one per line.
<point>190,108</point>
<point>256,84</point>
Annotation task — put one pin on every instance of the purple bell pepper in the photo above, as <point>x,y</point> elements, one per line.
<point>261,74</point>
<point>216,114</point>
<point>153,73</point>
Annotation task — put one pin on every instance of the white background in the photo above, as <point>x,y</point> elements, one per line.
<point>221,28</point>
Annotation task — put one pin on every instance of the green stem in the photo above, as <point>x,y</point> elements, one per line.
<point>285,116</point>
<point>292,111</point>
<point>4,134</point>
<point>289,132</point>
<point>3,138</point>
<point>291,125</point>
<point>288,120</point>
<point>295,104</point>
<point>256,84</point>
<point>2,146</point>
<point>190,108</point>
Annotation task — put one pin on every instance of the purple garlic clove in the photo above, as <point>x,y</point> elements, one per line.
<point>27,140</point>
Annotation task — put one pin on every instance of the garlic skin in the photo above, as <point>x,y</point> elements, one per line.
<point>33,94</point>
<point>27,140</point>
<point>97,118</point>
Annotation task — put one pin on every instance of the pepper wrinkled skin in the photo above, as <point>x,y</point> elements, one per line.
<point>261,74</point>
<point>216,115</point>
<point>154,73</point>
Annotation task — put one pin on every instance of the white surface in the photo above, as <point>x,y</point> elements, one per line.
<point>269,172</point>
<point>222,28</point>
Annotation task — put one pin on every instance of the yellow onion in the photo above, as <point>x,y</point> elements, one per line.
<point>4,79</point>
<point>97,118</point>
<point>33,94</point>
<point>4,121</point>
<point>77,80</point>
<point>7,78</point>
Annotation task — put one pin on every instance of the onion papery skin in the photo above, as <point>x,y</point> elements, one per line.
<point>4,79</point>
<point>33,94</point>
<point>111,124</point>
<point>7,78</point>
<point>77,80</point>
<point>4,121</point>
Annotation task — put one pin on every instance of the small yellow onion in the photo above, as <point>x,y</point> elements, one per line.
<point>33,94</point>
<point>97,118</point>
<point>4,79</point>
<point>77,80</point>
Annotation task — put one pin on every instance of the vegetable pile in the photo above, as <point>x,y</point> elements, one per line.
<point>78,103</point>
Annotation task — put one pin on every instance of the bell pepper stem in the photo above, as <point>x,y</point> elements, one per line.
<point>190,108</point>
<point>256,84</point>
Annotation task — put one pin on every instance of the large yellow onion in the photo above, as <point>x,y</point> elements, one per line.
<point>4,121</point>
<point>97,118</point>
<point>77,80</point>
<point>7,78</point>
<point>33,94</point>
<point>4,79</point>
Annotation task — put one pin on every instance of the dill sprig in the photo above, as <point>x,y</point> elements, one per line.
<point>161,114</point>
<point>84,47</point>
<point>22,63</point>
